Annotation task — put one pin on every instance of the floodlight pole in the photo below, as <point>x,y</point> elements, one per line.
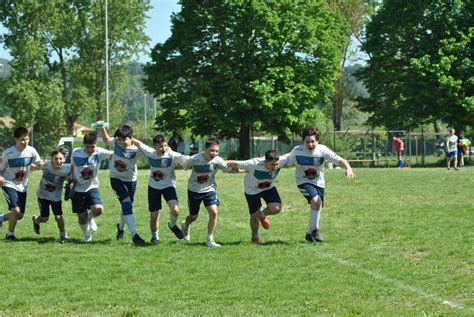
<point>106,60</point>
<point>145,114</point>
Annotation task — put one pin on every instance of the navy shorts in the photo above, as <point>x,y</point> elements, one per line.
<point>15,198</point>
<point>44,204</point>
<point>82,201</point>
<point>154,197</point>
<point>269,196</point>
<point>310,191</point>
<point>195,199</point>
<point>123,189</point>
<point>452,154</point>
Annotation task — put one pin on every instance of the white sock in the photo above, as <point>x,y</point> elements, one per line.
<point>156,235</point>
<point>210,237</point>
<point>36,220</point>
<point>122,222</point>
<point>173,220</point>
<point>314,216</point>
<point>130,221</point>
<point>90,215</point>
<point>1,218</point>
<point>85,229</point>
<point>10,233</point>
<point>62,234</point>
<point>262,212</point>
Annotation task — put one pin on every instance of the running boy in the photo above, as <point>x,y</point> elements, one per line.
<point>50,191</point>
<point>202,187</point>
<point>123,177</point>
<point>17,162</point>
<point>162,182</point>
<point>258,184</point>
<point>85,166</point>
<point>309,158</point>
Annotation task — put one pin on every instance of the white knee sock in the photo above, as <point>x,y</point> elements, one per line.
<point>173,220</point>
<point>130,221</point>
<point>314,216</point>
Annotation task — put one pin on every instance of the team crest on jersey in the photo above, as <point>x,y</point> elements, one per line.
<point>202,179</point>
<point>311,173</point>
<point>158,175</point>
<point>20,175</point>
<point>87,173</point>
<point>264,184</point>
<point>50,187</point>
<point>120,166</point>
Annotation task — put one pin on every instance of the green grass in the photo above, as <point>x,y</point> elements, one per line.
<point>399,242</point>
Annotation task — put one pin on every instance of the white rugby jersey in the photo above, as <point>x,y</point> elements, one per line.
<point>124,162</point>
<point>15,166</point>
<point>258,178</point>
<point>310,165</point>
<point>51,184</point>
<point>86,167</point>
<point>162,167</point>
<point>202,178</point>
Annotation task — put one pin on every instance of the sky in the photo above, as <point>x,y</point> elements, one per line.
<point>157,27</point>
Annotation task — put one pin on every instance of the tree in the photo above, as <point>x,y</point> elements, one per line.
<point>64,41</point>
<point>421,64</point>
<point>232,66</point>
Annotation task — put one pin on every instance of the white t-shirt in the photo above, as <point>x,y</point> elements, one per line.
<point>452,141</point>
<point>258,178</point>
<point>202,178</point>
<point>86,167</point>
<point>162,167</point>
<point>124,162</point>
<point>51,184</point>
<point>15,166</point>
<point>310,165</point>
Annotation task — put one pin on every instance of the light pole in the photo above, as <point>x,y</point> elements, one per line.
<point>144,106</point>
<point>107,60</point>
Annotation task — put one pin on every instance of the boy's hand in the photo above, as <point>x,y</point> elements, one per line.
<point>349,173</point>
<point>2,181</point>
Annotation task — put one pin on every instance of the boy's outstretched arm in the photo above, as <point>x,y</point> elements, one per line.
<point>349,173</point>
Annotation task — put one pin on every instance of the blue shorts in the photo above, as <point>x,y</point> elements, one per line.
<point>44,204</point>
<point>310,191</point>
<point>195,199</point>
<point>82,201</point>
<point>269,196</point>
<point>154,197</point>
<point>15,198</point>
<point>123,189</point>
<point>452,154</point>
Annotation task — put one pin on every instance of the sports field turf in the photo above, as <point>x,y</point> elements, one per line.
<point>398,242</point>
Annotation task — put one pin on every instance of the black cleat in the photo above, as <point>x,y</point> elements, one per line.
<point>308,238</point>
<point>154,241</point>
<point>10,238</point>
<point>120,233</point>
<point>177,232</point>
<point>137,240</point>
<point>316,236</point>
<point>36,227</point>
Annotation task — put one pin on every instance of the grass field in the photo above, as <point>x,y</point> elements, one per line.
<point>398,242</point>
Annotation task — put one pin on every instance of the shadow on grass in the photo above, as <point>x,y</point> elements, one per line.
<point>44,240</point>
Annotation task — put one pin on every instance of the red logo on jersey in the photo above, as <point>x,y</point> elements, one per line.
<point>50,187</point>
<point>87,173</point>
<point>120,166</point>
<point>264,184</point>
<point>202,179</point>
<point>311,173</point>
<point>20,175</point>
<point>158,175</point>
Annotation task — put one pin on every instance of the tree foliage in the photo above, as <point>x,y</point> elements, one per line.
<point>421,64</point>
<point>232,66</point>
<point>58,51</point>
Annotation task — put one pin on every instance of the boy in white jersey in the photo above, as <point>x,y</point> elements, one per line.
<point>162,182</point>
<point>309,158</point>
<point>123,177</point>
<point>258,184</point>
<point>452,149</point>
<point>202,187</point>
<point>85,166</point>
<point>17,162</point>
<point>50,191</point>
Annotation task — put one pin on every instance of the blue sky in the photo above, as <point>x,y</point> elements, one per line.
<point>157,28</point>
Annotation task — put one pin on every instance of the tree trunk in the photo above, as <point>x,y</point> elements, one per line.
<point>437,129</point>
<point>338,102</point>
<point>244,141</point>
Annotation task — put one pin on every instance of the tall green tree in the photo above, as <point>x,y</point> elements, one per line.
<point>232,66</point>
<point>421,64</point>
<point>62,43</point>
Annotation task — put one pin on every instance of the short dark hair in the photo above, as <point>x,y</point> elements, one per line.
<point>57,151</point>
<point>210,142</point>
<point>310,132</point>
<point>90,138</point>
<point>159,139</point>
<point>271,156</point>
<point>124,131</point>
<point>20,131</point>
